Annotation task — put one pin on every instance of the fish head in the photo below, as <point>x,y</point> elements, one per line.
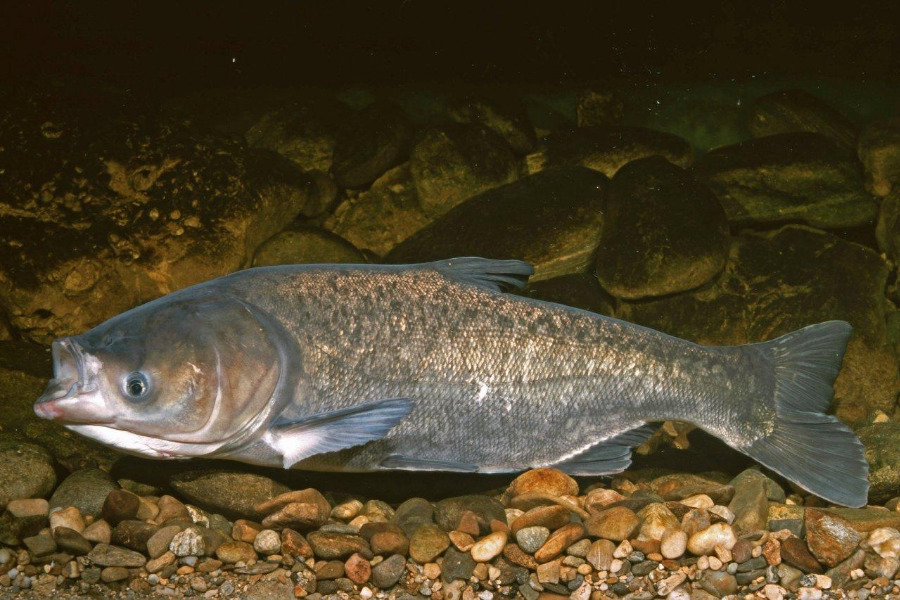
<point>181,371</point>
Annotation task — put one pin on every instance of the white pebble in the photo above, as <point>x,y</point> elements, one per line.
<point>673,543</point>
<point>724,512</point>
<point>704,542</point>
<point>623,550</point>
<point>773,592</point>
<point>714,563</point>
<point>615,566</point>
<point>885,541</point>
<point>489,547</point>
<point>699,501</point>
<point>365,593</point>
<point>823,582</point>
<point>808,593</point>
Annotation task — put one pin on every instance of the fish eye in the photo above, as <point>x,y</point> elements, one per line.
<point>137,386</point>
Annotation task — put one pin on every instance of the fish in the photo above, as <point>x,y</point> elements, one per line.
<point>438,367</point>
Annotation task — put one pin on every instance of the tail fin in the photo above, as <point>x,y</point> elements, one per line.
<point>808,447</point>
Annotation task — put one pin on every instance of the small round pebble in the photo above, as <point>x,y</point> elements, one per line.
<point>267,542</point>
<point>489,547</point>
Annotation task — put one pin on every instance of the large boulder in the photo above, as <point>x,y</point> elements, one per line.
<point>779,281</point>
<point>453,162</point>
<point>879,151</point>
<point>788,111</point>
<point>551,220</point>
<point>664,232</point>
<point>788,177</point>
<point>506,116</point>
<point>382,216</point>
<point>100,216</point>
<point>607,149</point>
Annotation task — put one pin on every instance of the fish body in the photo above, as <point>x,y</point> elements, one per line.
<point>433,367</point>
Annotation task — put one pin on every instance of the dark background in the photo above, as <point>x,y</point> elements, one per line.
<point>191,44</point>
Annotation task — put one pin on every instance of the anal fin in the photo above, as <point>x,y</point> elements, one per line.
<point>609,456</point>
<point>410,463</point>
<point>336,430</point>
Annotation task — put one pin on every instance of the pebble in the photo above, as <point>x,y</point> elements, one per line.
<point>85,489</point>
<point>558,541</point>
<point>795,553</point>
<point>159,542</point>
<point>447,512</point>
<point>188,542</point>
<point>98,532</point>
<point>267,542</point>
<point>234,551</point>
<point>617,523</point>
<point>488,547</point>
<point>155,565</point>
<point>830,538</point>
<point>457,565</point>
<point>551,517</point>
<point>546,480</point>
<point>28,507</point>
<point>170,509</point>
<point>332,546</point>
<point>704,542</point>
<point>427,543</point>
<point>245,531</point>
<point>388,572</point>
<point>67,517</point>
<point>461,541</point>
<point>294,545</point>
<point>347,510</point>
<point>885,541</point>
<point>120,505</point>
<point>673,543</point>
<point>105,555</point>
<point>656,519</point>
<point>111,574</point>
<point>71,541</point>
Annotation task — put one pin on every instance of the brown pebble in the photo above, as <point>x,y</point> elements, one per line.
<point>245,531</point>
<point>119,506</point>
<point>772,551</point>
<point>171,508</point>
<point>547,480</point>
<point>111,574</point>
<point>307,496</point>
<point>517,556</point>
<point>299,515</point>
<point>795,553</point>
<point>558,541</point>
<point>293,544</point>
<point>601,499</point>
<point>155,565</point>
<point>552,517</point>
<point>462,541</point>
<point>358,569</point>
<point>617,523</point>
<point>468,523</point>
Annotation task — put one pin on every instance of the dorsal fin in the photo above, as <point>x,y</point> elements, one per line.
<point>494,275</point>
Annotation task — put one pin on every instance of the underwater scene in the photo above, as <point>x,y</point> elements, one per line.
<point>471,301</point>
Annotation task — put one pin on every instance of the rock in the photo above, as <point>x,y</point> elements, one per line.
<point>119,505</point>
<point>304,131</point>
<point>245,531</point>
<point>371,142</point>
<point>233,551</point>
<point>447,512</point>
<point>26,471</point>
<point>664,232</point>
<point>552,517</point>
<point>133,534</point>
<point>337,545</point>
<point>113,574</point>
<point>489,547</point>
<point>788,111</point>
<point>792,176</point>
<point>607,149</point>
<point>774,492</point>
<point>600,554</point>
<point>600,499</point>
<point>580,290</point>
<point>617,523</point>
<point>569,197</point>
<point>885,541</point>
<point>270,590</point>
<point>453,162</point>
<point>71,541</point>
<point>382,216</point>
<point>673,544</point>
<point>267,542</point>
<point>457,565</point>
<point>388,572</point>
<point>558,541</point>
<point>99,531</point>
<point>718,534</point>
<point>143,206</point>
<point>795,553</point>
<point>188,542</point>
<point>790,272</point>
<point>506,116</point>
<point>517,556</point>
<point>40,545</point>
<point>719,583</point>
<point>883,455</point>
<point>679,486</point>
<point>105,555</point>
<point>159,542</point>
<point>171,509</point>
<point>887,230</point>
<point>427,543</point>
<point>750,505</point>
<point>656,519</point>
<point>86,490</point>
<point>389,542</point>
<point>358,569</point>
<point>412,513</point>
<point>547,480</point>
<point>830,538</point>
<point>305,496</point>
<point>302,515</point>
<point>532,538</point>
<point>232,494</point>
<point>295,545</point>
<point>306,245</point>
<point>879,152</point>
<point>461,541</point>
<point>31,507</point>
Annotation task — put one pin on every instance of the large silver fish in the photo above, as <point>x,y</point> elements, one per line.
<point>433,367</point>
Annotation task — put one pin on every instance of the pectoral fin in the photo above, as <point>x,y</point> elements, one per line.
<point>336,430</point>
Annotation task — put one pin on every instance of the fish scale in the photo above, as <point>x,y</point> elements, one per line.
<point>434,367</point>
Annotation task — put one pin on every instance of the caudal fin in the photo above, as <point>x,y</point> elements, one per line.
<point>808,447</point>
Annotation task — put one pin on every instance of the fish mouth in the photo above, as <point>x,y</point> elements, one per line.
<point>72,396</point>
